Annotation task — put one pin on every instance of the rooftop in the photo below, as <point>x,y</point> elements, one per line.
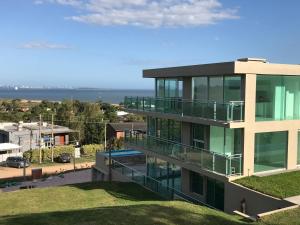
<point>34,126</point>
<point>240,66</point>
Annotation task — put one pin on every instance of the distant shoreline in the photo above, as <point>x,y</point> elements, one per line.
<point>115,96</point>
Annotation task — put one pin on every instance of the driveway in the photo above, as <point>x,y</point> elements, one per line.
<point>80,176</point>
<point>8,172</point>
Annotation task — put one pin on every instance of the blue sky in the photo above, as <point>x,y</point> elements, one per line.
<point>107,43</point>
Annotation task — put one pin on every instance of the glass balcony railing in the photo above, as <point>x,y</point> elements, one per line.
<point>157,186</point>
<point>231,111</point>
<point>227,165</point>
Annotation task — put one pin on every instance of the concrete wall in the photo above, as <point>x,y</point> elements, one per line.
<point>255,202</point>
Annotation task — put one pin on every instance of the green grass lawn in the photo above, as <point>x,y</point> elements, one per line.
<point>108,204</point>
<point>103,203</point>
<point>281,185</point>
<point>290,217</point>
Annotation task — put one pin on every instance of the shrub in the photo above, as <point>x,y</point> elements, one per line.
<point>92,149</point>
<point>34,155</point>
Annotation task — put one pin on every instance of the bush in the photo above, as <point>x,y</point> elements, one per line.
<point>34,155</point>
<point>91,149</point>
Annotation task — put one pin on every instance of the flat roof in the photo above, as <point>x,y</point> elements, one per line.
<point>8,146</point>
<point>240,66</point>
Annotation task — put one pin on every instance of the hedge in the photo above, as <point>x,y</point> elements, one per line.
<point>34,155</point>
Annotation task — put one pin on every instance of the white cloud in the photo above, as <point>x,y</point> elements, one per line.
<point>43,45</point>
<point>149,13</point>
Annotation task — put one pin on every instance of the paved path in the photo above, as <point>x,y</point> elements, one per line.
<point>7,172</point>
<point>294,199</point>
<point>81,176</point>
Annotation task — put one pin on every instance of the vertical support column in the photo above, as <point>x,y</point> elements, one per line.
<point>249,134</point>
<point>186,133</point>
<point>292,149</point>
<point>186,127</point>
<point>187,88</point>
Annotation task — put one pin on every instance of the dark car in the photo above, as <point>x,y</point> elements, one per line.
<point>17,162</point>
<point>64,158</point>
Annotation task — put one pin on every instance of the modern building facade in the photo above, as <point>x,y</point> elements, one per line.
<point>213,123</point>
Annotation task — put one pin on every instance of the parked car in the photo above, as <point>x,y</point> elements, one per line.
<point>64,158</point>
<point>17,162</point>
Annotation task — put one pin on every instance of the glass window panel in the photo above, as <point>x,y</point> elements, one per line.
<point>277,97</point>
<point>200,88</point>
<point>232,88</point>
<point>160,88</point>
<point>216,89</point>
<point>166,173</point>
<point>196,183</point>
<point>216,142</point>
<point>270,151</point>
<point>225,140</point>
<point>199,136</point>
<point>151,126</point>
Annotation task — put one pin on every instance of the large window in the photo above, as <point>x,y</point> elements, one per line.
<point>196,183</point>
<point>164,128</point>
<point>220,89</point>
<point>215,93</point>
<point>167,173</point>
<point>215,193</point>
<point>270,151</point>
<point>277,97</point>
<point>199,135</point>
<point>200,89</point>
<point>225,140</point>
<point>168,88</point>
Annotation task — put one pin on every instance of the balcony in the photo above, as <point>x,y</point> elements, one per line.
<point>227,112</point>
<point>227,165</point>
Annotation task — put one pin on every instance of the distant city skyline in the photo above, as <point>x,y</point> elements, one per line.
<point>107,44</point>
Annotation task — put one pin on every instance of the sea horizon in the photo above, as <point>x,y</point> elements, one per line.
<point>113,96</point>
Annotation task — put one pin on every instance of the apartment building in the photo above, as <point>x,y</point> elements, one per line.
<point>210,124</point>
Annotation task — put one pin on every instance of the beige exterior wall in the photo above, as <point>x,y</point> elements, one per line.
<point>256,202</point>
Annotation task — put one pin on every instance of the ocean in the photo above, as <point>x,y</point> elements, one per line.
<point>109,96</point>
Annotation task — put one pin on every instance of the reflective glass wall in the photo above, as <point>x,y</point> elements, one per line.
<point>225,140</point>
<point>164,128</point>
<point>167,173</point>
<point>270,151</point>
<point>277,97</point>
<point>220,89</point>
<point>168,88</point>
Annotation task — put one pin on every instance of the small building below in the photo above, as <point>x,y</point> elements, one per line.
<point>117,130</point>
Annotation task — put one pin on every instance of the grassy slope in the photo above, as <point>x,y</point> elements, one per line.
<point>290,217</point>
<point>280,185</point>
<point>102,203</point>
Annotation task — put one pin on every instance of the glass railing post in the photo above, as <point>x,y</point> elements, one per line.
<point>215,110</point>
<point>213,162</point>
<point>227,109</point>
<point>231,111</point>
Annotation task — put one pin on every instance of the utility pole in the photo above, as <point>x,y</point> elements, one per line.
<point>105,136</point>
<point>52,138</point>
<point>40,141</point>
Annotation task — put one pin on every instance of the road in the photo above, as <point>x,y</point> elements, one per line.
<point>7,172</point>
